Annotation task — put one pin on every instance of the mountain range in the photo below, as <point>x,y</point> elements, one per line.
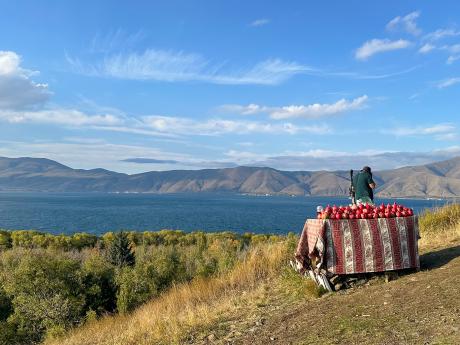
<point>439,179</point>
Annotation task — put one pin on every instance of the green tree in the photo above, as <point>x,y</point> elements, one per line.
<point>5,240</point>
<point>6,307</point>
<point>120,252</point>
<point>45,291</point>
<point>99,286</point>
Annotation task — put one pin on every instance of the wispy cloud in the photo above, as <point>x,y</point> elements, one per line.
<point>185,126</point>
<point>406,23</point>
<point>320,159</point>
<point>17,89</point>
<point>170,66</point>
<point>155,125</point>
<point>189,163</point>
<point>115,40</point>
<point>440,34</point>
<point>316,110</point>
<point>375,46</point>
<point>426,48</point>
<point>67,117</point>
<point>442,131</point>
<point>448,82</point>
<point>260,22</point>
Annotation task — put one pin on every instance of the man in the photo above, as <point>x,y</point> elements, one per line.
<point>364,185</point>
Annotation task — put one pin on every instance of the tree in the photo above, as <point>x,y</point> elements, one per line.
<point>120,252</point>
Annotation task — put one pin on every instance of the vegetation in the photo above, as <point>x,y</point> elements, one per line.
<point>52,283</point>
<point>152,287</point>
<point>120,253</point>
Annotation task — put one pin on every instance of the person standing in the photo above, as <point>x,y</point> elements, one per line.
<point>364,186</point>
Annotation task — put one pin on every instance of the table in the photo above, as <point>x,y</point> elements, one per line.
<point>349,246</point>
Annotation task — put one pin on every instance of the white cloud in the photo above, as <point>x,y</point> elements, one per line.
<point>315,110</point>
<point>406,23</point>
<point>66,117</point>
<point>448,82</point>
<point>426,48</point>
<point>454,48</point>
<point>170,66</point>
<point>440,34</point>
<point>184,126</point>
<point>155,125</point>
<point>17,90</point>
<point>115,40</point>
<point>447,137</point>
<point>451,59</point>
<point>376,45</point>
<point>319,110</point>
<point>440,131</point>
<point>260,22</point>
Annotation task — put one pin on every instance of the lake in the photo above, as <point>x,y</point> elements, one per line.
<point>100,212</point>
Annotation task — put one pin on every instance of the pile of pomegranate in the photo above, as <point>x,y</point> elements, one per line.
<point>365,211</point>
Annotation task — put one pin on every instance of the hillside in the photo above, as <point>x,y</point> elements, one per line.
<point>440,179</point>
<point>264,301</point>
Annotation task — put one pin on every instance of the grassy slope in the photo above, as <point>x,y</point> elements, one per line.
<point>262,301</point>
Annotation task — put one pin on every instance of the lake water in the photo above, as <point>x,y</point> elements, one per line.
<point>97,213</point>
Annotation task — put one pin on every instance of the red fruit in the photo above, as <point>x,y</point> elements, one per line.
<point>338,216</point>
<point>381,214</point>
<point>363,215</point>
<point>344,215</point>
<point>398,214</point>
<point>354,207</point>
<point>365,210</point>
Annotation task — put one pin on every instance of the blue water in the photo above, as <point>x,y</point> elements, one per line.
<point>99,212</point>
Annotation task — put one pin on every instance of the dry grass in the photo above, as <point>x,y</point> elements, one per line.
<point>439,226</point>
<point>189,311</point>
<point>188,307</point>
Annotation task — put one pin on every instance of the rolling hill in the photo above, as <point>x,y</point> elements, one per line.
<point>439,179</point>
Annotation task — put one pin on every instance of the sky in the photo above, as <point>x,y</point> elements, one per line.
<point>294,85</point>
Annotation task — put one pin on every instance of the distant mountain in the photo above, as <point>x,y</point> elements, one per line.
<point>440,179</point>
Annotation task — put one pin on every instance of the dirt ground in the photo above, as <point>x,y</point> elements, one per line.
<point>417,308</point>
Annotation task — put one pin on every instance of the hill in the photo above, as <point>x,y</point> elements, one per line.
<point>263,301</point>
<point>440,179</point>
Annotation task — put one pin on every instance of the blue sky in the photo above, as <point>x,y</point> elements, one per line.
<point>203,84</point>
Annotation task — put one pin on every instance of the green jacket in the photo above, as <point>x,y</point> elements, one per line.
<point>361,183</point>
